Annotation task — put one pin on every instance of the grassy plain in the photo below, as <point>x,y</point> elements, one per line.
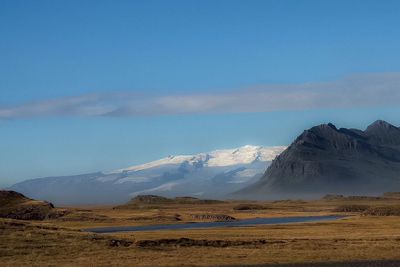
<point>59,242</point>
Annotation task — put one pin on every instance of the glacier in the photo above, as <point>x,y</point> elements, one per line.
<point>214,174</point>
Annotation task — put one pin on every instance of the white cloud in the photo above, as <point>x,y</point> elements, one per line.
<point>361,90</point>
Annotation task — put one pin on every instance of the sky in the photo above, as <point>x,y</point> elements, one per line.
<point>99,85</point>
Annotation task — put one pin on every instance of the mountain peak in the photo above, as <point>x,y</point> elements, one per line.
<point>222,157</point>
<point>383,133</point>
<point>215,174</point>
<point>380,124</point>
<point>332,126</point>
<point>324,159</point>
<point>324,127</point>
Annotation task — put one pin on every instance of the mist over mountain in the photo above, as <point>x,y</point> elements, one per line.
<point>210,175</point>
<point>325,159</point>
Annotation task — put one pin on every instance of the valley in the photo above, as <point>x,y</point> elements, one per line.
<point>58,240</point>
<point>323,200</point>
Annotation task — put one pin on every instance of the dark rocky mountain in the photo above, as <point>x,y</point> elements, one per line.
<point>325,159</point>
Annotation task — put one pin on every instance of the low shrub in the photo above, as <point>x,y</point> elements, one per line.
<point>249,207</point>
<point>383,211</point>
<point>352,208</point>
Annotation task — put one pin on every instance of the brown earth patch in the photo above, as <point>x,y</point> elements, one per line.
<point>188,242</point>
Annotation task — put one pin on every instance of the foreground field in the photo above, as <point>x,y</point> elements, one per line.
<point>60,241</point>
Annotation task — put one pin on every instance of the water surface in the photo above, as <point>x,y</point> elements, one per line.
<point>200,225</point>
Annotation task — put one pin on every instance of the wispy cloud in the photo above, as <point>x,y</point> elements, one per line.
<point>362,90</point>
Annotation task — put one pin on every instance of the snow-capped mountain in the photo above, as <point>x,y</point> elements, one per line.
<point>218,158</point>
<point>213,175</point>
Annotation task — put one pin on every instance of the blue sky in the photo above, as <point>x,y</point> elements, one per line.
<point>98,85</point>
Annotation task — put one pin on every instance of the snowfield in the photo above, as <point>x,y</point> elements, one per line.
<point>215,174</point>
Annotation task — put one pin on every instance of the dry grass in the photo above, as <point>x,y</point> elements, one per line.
<point>59,242</point>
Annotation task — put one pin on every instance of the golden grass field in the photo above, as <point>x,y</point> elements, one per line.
<point>59,242</point>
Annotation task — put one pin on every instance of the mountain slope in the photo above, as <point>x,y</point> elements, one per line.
<point>212,175</point>
<point>14,205</point>
<point>325,159</point>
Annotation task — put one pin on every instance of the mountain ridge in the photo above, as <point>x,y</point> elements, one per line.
<point>325,159</point>
<point>227,155</point>
<point>213,174</point>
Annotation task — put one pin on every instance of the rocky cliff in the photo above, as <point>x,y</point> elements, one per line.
<point>325,159</point>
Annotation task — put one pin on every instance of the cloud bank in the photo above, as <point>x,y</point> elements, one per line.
<point>361,90</point>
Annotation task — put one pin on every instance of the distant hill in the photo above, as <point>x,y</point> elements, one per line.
<point>14,205</point>
<point>325,159</point>
<point>149,200</point>
<point>207,175</point>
